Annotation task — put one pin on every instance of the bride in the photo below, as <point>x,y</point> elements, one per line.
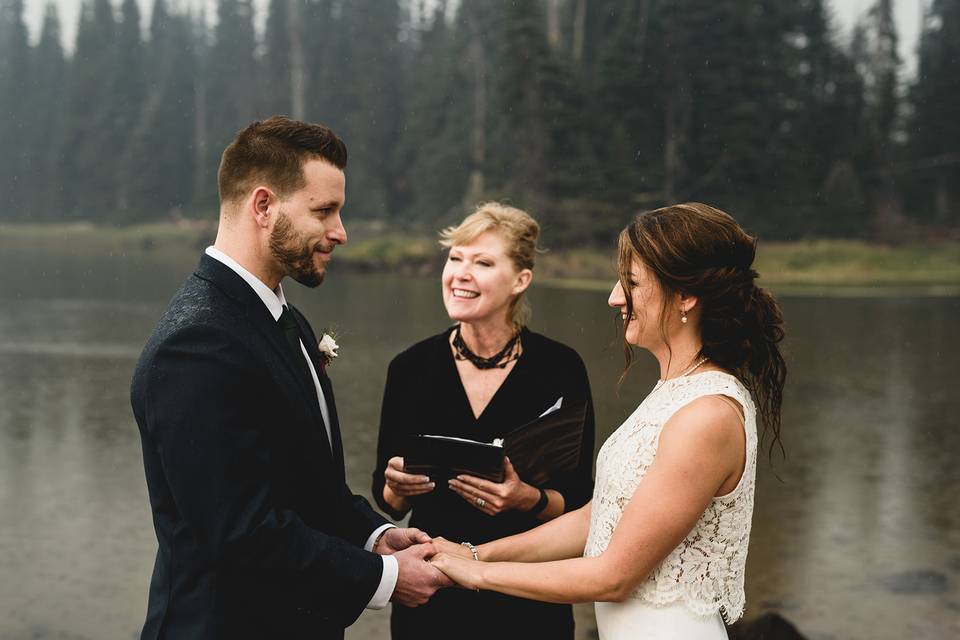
<point>662,546</point>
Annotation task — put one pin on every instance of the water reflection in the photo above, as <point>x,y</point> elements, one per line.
<point>860,539</point>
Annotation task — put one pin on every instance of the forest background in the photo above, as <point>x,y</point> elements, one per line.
<point>581,111</point>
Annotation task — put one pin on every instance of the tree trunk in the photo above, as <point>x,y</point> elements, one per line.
<point>579,29</point>
<point>477,64</point>
<point>554,36</point>
<point>298,74</point>
<point>643,22</point>
<point>678,111</point>
<point>200,137</point>
<point>944,209</point>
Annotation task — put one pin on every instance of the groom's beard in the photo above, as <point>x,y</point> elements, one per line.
<point>294,252</point>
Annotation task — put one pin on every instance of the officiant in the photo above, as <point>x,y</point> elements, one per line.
<point>480,379</point>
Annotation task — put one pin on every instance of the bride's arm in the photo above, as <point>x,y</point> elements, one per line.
<point>701,448</point>
<point>563,537</point>
<point>560,538</point>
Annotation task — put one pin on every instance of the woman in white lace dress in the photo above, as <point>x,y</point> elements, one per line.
<point>661,548</point>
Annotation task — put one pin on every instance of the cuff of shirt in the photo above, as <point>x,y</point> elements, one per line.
<point>388,579</point>
<point>388,582</point>
<point>373,536</point>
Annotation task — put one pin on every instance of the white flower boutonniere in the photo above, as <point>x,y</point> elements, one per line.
<point>328,348</point>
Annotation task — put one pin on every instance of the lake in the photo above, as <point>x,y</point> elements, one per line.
<point>856,535</point>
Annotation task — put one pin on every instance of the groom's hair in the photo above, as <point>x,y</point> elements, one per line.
<point>273,152</point>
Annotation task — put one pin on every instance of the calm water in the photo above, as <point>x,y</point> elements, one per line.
<point>859,538</point>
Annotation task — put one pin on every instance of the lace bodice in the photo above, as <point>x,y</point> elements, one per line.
<point>705,571</point>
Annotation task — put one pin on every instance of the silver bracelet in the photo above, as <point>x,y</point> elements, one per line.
<point>473,550</point>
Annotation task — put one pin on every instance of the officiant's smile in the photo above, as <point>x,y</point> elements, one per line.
<point>481,284</point>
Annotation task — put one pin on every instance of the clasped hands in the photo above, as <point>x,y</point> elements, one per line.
<point>425,564</point>
<point>417,578</point>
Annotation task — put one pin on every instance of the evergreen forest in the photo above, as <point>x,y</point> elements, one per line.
<point>581,111</point>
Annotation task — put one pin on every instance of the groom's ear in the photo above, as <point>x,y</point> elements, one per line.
<point>259,206</point>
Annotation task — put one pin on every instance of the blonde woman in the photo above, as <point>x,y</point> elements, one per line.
<point>479,379</point>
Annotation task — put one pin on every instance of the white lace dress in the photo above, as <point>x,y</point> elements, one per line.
<point>699,585</point>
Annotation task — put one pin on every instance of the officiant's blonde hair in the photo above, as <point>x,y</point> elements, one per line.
<point>519,232</point>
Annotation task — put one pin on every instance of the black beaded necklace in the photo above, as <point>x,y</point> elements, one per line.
<point>509,353</point>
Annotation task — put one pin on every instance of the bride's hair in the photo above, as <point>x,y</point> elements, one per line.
<point>697,250</point>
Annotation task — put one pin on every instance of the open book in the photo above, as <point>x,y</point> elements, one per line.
<point>539,450</point>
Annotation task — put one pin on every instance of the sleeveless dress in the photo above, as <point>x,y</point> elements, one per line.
<point>699,585</point>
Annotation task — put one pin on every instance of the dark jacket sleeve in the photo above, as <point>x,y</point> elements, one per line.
<point>392,412</point>
<point>577,487</point>
<point>202,415</point>
<point>358,518</point>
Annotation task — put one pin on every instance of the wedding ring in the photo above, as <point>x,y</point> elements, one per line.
<point>481,502</point>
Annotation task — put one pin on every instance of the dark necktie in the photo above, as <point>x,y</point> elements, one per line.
<point>292,333</point>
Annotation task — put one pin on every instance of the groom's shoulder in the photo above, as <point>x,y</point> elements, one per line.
<point>197,302</point>
<point>198,311</point>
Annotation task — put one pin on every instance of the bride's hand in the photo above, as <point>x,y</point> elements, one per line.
<point>442,545</point>
<point>466,573</point>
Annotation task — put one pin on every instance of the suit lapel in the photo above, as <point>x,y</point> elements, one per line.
<point>260,318</point>
<point>310,342</point>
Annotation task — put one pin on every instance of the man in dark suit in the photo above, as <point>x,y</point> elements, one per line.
<point>259,535</point>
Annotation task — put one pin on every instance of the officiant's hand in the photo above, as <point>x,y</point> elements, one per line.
<point>405,484</point>
<point>492,497</point>
<point>417,579</point>
<point>395,539</point>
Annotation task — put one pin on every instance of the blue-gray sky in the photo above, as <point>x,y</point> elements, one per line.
<point>908,14</point>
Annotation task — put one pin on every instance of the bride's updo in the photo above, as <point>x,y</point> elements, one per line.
<point>700,251</point>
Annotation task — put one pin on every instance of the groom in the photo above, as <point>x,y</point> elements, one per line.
<point>259,535</point>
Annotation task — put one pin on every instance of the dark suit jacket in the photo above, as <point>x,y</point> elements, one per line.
<point>259,535</point>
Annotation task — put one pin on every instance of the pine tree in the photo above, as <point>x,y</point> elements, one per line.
<point>325,73</point>
<point>434,141</point>
<point>46,120</point>
<point>542,158</point>
<point>626,99</point>
<point>14,85</point>
<point>874,50</point>
<point>276,59</point>
<point>160,166</point>
<point>366,102</point>
<point>934,166</point>
<point>91,144</point>
<point>128,93</point>
<point>231,80</point>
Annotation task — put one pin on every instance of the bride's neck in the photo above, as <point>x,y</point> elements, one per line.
<point>680,356</point>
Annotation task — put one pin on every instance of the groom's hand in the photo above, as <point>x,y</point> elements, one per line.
<point>395,539</point>
<point>417,579</point>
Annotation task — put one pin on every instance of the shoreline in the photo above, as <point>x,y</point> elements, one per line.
<point>824,267</point>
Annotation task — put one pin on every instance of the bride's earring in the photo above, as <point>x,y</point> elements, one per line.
<point>683,316</point>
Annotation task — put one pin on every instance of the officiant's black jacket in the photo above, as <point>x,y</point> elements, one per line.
<point>259,535</point>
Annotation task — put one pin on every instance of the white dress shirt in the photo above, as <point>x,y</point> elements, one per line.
<point>275,302</point>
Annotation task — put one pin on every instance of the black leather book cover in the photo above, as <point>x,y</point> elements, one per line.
<point>539,450</point>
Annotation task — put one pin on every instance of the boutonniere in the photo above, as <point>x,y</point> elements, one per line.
<point>328,348</point>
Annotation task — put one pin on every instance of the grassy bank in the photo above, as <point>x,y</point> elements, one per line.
<point>819,265</point>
